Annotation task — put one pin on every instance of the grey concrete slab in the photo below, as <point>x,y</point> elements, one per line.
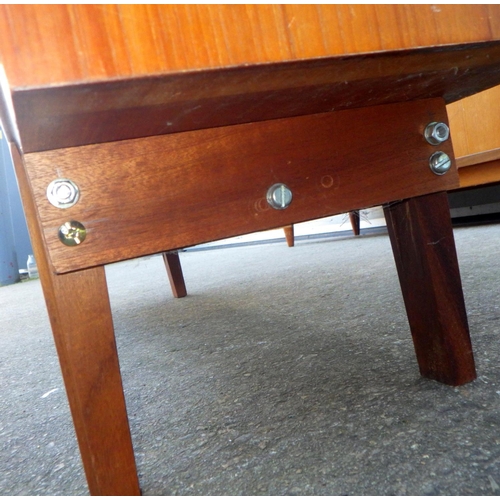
<point>286,371</point>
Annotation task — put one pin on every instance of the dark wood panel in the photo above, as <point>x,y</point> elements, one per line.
<point>424,250</point>
<point>77,114</point>
<point>160,193</point>
<point>175,274</point>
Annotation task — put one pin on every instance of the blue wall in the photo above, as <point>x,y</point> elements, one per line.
<point>15,243</point>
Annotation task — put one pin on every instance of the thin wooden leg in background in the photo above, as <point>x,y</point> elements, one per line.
<point>174,272</point>
<point>290,239</point>
<point>354,218</point>
<point>424,249</point>
<point>80,315</point>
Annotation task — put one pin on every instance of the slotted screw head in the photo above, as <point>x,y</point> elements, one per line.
<point>436,132</point>
<point>63,193</point>
<point>279,196</point>
<point>72,233</point>
<point>440,163</point>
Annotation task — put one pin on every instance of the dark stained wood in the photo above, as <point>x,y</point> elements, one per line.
<point>354,218</point>
<point>80,316</point>
<point>175,274</point>
<point>424,250</point>
<point>72,114</point>
<point>150,195</point>
<point>289,235</point>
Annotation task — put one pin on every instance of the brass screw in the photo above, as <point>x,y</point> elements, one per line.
<point>72,233</point>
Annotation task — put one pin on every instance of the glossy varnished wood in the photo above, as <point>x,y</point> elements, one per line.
<point>80,316</point>
<point>162,193</point>
<point>422,240</point>
<point>475,123</point>
<point>70,115</point>
<point>45,44</point>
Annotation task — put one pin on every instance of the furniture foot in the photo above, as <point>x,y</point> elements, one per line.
<point>354,218</point>
<point>290,241</point>
<point>422,240</point>
<point>175,276</point>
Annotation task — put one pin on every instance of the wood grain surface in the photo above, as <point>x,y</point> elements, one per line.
<point>160,193</point>
<point>80,316</point>
<point>424,250</point>
<point>71,115</point>
<point>47,44</point>
<point>475,123</point>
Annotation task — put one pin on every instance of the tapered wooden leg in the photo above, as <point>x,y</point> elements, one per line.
<point>422,240</point>
<point>354,218</point>
<point>78,306</point>
<point>80,315</point>
<point>174,272</point>
<point>290,239</point>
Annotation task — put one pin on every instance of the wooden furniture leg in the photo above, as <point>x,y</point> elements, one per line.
<point>174,272</point>
<point>80,316</point>
<point>422,240</point>
<point>290,240</point>
<point>354,218</point>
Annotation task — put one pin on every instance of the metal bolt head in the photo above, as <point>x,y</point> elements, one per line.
<point>440,163</point>
<point>436,132</point>
<point>72,233</point>
<point>63,193</point>
<point>279,196</point>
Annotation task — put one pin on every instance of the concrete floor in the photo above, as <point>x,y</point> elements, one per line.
<point>285,371</point>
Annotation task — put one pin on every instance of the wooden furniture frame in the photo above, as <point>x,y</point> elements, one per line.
<point>171,160</point>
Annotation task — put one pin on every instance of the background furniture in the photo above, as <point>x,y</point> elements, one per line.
<point>314,97</point>
<point>174,268</point>
<point>475,126</point>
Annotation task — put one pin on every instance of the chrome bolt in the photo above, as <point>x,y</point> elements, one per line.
<point>440,163</point>
<point>436,132</point>
<point>72,233</point>
<point>279,196</point>
<point>63,193</point>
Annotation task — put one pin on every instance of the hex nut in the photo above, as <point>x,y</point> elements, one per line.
<point>436,133</point>
<point>63,193</point>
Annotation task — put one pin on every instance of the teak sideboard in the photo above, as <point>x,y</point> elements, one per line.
<point>138,129</point>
